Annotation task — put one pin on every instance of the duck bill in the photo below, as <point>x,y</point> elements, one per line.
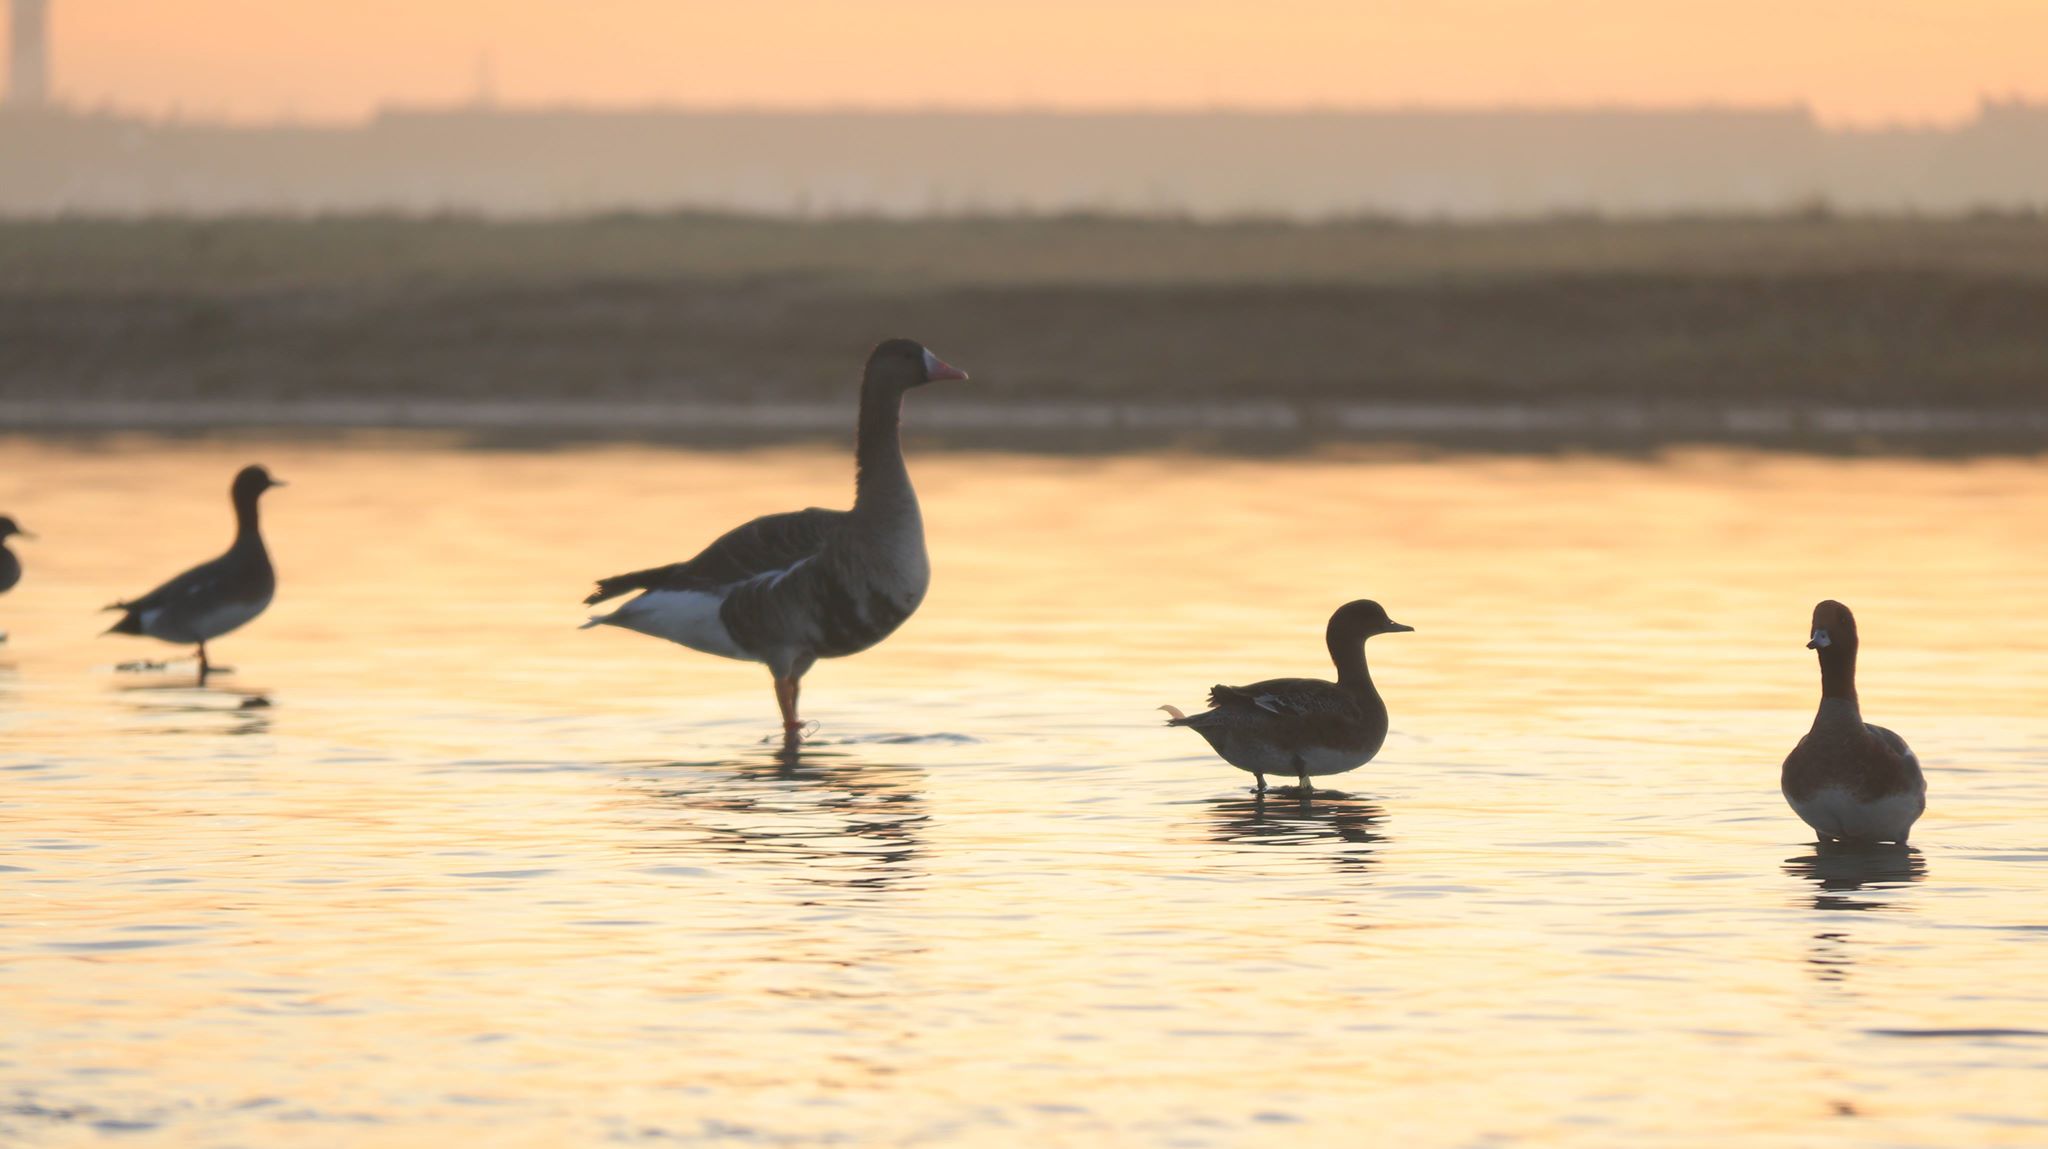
<point>936,369</point>
<point>1398,628</point>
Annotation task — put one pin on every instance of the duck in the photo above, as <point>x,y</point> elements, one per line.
<point>1304,727</point>
<point>786,590</point>
<point>10,565</point>
<point>1849,780</point>
<point>214,597</point>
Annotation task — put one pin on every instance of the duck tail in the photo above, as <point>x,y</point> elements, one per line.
<point>131,623</point>
<point>1175,717</point>
<point>596,620</point>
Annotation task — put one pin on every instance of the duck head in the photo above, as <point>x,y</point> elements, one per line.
<point>901,364</point>
<point>252,481</point>
<point>9,528</point>
<point>1360,620</point>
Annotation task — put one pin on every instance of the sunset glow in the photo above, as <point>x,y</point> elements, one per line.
<point>1864,62</point>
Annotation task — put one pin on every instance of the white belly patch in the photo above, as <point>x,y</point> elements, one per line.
<point>1836,813</point>
<point>687,617</point>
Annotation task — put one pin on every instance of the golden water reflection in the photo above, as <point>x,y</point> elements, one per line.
<point>474,875</point>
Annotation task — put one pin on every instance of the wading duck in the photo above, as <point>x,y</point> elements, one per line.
<point>1849,780</point>
<point>10,566</point>
<point>216,597</point>
<point>1303,727</point>
<point>787,590</point>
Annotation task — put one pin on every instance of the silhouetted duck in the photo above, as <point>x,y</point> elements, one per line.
<point>1849,780</point>
<point>789,589</point>
<point>10,566</point>
<point>212,598</point>
<point>1303,726</point>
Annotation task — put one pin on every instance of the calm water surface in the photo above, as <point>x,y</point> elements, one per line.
<point>476,877</point>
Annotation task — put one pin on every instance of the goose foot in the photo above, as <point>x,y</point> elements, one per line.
<point>140,665</point>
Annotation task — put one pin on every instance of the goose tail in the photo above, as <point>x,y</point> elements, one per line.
<point>1174,715</point>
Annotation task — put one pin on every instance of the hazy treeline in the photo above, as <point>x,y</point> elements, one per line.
<point>1304,165</point>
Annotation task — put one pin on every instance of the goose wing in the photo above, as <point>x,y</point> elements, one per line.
<point>769,543</point>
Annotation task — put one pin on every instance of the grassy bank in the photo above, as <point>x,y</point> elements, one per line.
<point>1807,309</point>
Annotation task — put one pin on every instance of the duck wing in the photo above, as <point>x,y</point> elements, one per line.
<point>1285,697</point>
<point>229,578</point>
<point>769,543</point>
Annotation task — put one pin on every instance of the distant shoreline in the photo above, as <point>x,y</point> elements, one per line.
<point>1091,426</point>
<point>1080,334</point>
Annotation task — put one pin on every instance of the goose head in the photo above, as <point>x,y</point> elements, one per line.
<point>901,364</point>
<point>1834,629</point>
<point>252,481</point>
<point>9,528</point>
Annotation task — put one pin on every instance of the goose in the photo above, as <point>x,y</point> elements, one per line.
<point>1305,727</point>
<point>10,566</point>
<point>214,597</point>
<point>1849,780</point>
<point>789,589</point>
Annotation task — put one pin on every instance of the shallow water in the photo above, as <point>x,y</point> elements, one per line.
<point>475,876</point>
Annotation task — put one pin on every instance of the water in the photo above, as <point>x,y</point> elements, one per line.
<point>477,877</point>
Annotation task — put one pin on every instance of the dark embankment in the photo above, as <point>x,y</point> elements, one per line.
<point>1080,332</point>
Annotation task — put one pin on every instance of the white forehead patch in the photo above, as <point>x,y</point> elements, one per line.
<point>931,362</point>
<point>1820,638</point>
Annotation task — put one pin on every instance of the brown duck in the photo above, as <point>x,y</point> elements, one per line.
<point>1304,727</point>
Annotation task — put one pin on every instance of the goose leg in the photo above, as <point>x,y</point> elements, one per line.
<point>1301,775</point>
<point>205,667</point>
<point>1261,787</point>
<point>785,697</point>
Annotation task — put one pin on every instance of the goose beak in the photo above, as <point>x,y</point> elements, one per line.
<point>30,535</point>
<point>936,369</point>
<point>279,483</point>
<point>1819,640</point>
<point>1397,628</point>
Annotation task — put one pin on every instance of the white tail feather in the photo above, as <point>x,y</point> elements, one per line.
<point>1174,711</point>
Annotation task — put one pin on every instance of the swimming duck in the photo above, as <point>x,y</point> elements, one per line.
<point>1849,780</point>
<point>1303,726</point>
<point>789,589</point>
<point>215,597</point>
<point>10,566</point>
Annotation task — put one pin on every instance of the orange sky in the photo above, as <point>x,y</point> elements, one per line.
<point>1855,61</point>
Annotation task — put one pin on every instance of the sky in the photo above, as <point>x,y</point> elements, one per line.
<point>1860,62</point>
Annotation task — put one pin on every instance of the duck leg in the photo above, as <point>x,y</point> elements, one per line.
<point>206,667</point>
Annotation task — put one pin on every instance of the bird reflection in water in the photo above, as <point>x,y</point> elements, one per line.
<point>819,813</point>
<point>1857,878</point>
<point>1344,826</point>
<point>203,707</point>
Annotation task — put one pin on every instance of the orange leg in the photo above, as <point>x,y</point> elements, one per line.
<point>785,697</point>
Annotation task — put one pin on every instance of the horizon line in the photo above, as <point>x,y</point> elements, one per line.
<point>61,107</point>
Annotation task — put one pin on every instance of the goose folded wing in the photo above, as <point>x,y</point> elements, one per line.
<point>769,543</point>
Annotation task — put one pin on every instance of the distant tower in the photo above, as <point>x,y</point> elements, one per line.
<point>28,68</point>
